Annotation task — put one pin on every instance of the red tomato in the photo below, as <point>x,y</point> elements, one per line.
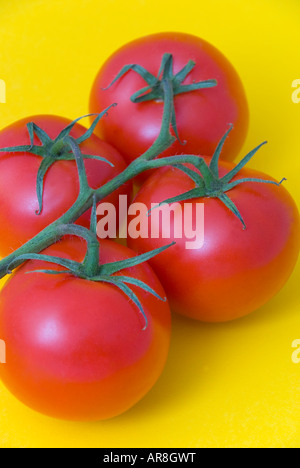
<point>76,349</point>
<point>202,116</point>
<point>236,271</point>
<point>18,173</point>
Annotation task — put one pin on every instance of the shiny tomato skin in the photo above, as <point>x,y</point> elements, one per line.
<point>18,173</point>
<point>202,116</point>
<point>236,271</point>
<point>76,349</point>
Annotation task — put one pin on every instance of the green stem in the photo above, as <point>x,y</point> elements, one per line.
<point>91,264</point>
<point>164,139</point>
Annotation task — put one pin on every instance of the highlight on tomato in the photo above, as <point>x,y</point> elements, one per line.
<point>143,74</point>
<point>79,349</point>
<point>251,237</point>
<point>39,178</point>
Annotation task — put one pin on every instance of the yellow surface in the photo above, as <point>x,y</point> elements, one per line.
<point>231,385</point>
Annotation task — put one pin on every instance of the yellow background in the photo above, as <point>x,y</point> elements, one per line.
<point>231,385</point>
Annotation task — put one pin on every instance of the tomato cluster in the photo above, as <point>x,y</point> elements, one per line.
<point>89,337</point>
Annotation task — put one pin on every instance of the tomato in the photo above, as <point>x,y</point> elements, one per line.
<point>77,349</point>
<point>18,173</point>
<point>202,115</point>
<point>235,271</point>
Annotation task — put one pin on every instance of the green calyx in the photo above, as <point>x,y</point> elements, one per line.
<point>155,89</point>
<point>208,182</point>
<point>53,150</point>
<point>91,268</point>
